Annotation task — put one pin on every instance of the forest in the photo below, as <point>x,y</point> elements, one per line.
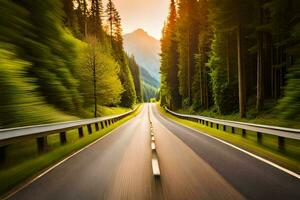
<point>62,60</point>
<point>230,57</point>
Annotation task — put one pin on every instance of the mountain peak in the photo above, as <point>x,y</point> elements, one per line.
<point>140,31</point>
<point>146,50</point>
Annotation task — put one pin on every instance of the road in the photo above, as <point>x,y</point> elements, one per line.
<point>192,166</point>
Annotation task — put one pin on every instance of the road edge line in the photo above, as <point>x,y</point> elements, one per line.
<point>43,173</point>
<point>294,174</point>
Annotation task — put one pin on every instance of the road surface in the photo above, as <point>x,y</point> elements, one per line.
<point>192,166</point>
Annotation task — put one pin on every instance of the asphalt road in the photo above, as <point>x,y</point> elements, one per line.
<point>192,165</point>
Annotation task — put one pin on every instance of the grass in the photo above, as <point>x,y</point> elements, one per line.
<point>268,149</point>
<point>23,161</point>
<point>112,110</point>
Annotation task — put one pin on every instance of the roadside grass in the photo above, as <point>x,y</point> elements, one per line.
<point>23,162</point>
<point>112,110</point>
<point>268,149</point>
<point>88,111</point>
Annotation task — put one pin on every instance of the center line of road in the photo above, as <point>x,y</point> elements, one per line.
<point>155,163</point>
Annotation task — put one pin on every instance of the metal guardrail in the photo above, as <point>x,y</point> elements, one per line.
<point>40,132</point>
<point>280,132</point>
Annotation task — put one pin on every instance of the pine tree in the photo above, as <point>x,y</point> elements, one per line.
<point>116,39</point>
<point>169,60</point>
<point>135,71</point>
<point>110,12</point>
<point>82,15</point>
<point>96,20</point>
<point>201,84</point>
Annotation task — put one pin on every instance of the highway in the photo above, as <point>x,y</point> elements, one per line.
<point>192,166</point>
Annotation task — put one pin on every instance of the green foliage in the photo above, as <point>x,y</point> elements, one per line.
<point>20,102</point>
<point>128,97</point>
<point>44,68</point>
<point>169,61</point>
<point>135,71</point>
<point>289,105</point>
<point>108,85</point>
<point>187,37</point>
<point>49,51</point>
<point>224,93</point>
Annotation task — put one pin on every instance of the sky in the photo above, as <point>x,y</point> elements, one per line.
<point>146,14</point>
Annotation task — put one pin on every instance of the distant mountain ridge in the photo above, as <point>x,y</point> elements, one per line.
<point>146,50</point>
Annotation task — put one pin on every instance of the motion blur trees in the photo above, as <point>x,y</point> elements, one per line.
<point>47,56</point>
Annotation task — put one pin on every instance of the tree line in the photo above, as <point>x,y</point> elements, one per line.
<point>232,56</point>
<point>62,56</point>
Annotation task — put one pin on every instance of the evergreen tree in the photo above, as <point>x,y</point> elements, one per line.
<point>116,39</point>
<point>201,82</point>
<point>96,19</point>
<point>82,16</point>
<point>135,71</point>
<point>169,60</point>
<point>187,37</point>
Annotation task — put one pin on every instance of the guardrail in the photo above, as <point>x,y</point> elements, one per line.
<point>40,132</point>
<point>280,132</point>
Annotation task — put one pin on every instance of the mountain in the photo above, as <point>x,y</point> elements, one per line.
<point>146,50</point>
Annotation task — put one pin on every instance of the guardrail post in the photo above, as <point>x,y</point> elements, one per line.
<point>3,154</point>
<point>211,124</point>
<point>89,129</point>
<point>232,130</point>
<point>106,124</point>
<point>80,132</point>
<point>109,122</point>
<point>97,126</point>
<point>281,143</point>
<point>259,137</point>
<point>102,126</point>
<point>224,128</point>
<point>63,138</point>
<point>41,143</point>
<point>206,123</point>
<point>244,132</point>
<point>217,126</point>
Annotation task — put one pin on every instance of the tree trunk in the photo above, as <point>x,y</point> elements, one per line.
<point>189,70</point>
<point>241,71</point>
<point>228,58</point>
<point>260,81</point>
<point>201,78</point>
<point>95,86</point>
